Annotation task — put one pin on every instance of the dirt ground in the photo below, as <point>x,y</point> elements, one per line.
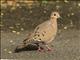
<point>17,21</point>
<point>66,46</point>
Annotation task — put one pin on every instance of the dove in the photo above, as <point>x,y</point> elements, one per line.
<point>44,33</point>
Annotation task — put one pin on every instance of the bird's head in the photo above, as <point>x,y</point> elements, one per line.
<point>55,15</point>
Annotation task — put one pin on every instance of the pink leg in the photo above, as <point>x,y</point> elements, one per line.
<point>48,48</point>
<point>40,49</point>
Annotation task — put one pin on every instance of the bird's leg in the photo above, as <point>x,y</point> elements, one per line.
<point>45,45</point>
<point>40,48</point>
<point>48,48</point>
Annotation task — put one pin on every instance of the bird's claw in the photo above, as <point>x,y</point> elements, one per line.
<point>40,49</point>
<point>49,49</point>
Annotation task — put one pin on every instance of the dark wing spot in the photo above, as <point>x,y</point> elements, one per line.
<point>42,34</point>
<point>37,28</point>
<point>38,35</point>
<point>35,35</point>
<point>34,38</point>
<point>44,31</point>
<point>39,38</point>
<point>36,32</point>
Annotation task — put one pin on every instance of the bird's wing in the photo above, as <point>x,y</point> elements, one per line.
<point>43,32</point>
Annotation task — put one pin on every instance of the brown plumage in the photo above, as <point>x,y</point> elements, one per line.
<point>44,33</point>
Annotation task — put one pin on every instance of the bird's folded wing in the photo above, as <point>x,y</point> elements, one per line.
<point>43,32</point>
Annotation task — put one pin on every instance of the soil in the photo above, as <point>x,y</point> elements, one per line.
<point>66,46</point>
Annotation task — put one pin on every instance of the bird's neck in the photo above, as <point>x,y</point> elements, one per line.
<point>54,22</point>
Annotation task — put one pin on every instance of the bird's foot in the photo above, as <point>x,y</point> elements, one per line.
<point>40,49</point>
<point>49,49</point>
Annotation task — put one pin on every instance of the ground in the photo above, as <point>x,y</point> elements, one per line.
<point>17,21</point>
<point>66,46</point>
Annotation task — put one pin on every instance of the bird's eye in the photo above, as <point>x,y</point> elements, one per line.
<point>54,14</point>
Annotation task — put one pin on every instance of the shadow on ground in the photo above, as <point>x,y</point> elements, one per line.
<point>29,47</point>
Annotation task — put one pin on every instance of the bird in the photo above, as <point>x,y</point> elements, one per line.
<point>43,34</point>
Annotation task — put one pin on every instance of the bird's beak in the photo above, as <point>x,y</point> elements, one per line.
<point>60,18</point>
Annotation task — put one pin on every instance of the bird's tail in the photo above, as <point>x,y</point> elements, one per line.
<point>26,46</point>
<point>24,43</point>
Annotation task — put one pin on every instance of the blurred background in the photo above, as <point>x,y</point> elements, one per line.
<point>19,17</point>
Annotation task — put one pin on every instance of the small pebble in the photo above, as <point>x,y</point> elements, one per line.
<point>68,15</point>
<point>22,29</point>
<point>11,27</point>
<point>44,11</point>
<point>11,41</point>
<point>10,52</point>
<point>17,5</point>
<point>5,49</point>
<point>65,27</point>
<point>57,1</point>
<point>72,13</point>
<point>30,11</point>
<point>66,1</point>
<point>2,14</point>
<point>79,4</point>
<point>17,33</point>
<point>14,31</point>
